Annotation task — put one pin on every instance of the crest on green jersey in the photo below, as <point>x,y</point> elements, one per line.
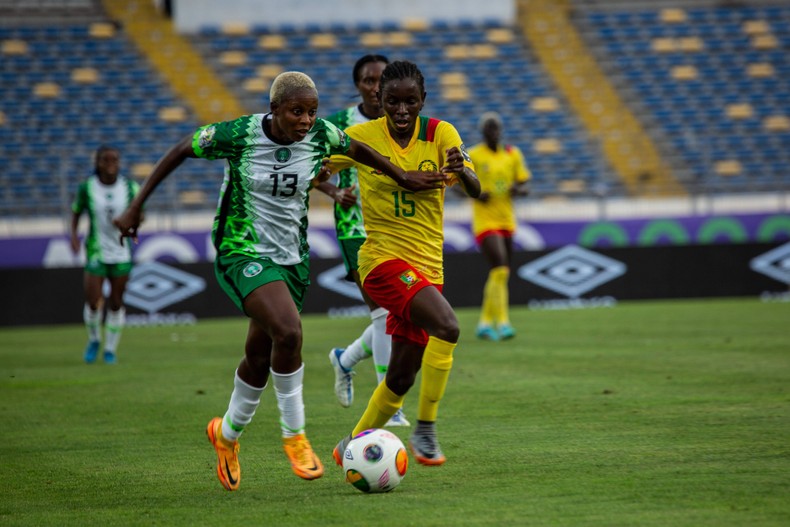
<point>282,155</point>
<point>252,269</point>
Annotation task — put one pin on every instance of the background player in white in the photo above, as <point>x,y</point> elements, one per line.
<point>350,230</point>
<point>103,196</point>
<point>262,262</point>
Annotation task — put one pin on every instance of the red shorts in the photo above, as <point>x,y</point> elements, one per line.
<point>392,285</point>
<point>493,232</point>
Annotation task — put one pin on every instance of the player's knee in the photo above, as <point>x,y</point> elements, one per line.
<point>447,328</point>
<point>287,338</point>
<point>400,381</point>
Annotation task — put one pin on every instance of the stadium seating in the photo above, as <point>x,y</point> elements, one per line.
<point>713,84</point>
<point>470,67</point>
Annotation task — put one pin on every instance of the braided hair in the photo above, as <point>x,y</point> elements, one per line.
<point>400,70</point>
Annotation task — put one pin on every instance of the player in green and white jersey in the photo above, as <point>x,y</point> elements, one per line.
<point>262,262</point>
<point>351,234</point>
<point>103,196</point>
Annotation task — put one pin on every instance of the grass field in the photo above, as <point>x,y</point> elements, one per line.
<point>648,413</point>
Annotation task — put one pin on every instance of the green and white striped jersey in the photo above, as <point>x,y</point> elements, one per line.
<point>103,203</point>
<point>349,222</point>
<point>263,203</point>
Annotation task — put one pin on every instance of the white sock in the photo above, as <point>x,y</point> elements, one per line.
<point>382,343</point>
<point>92,322</point>
<point>243,402</point>
<point>288,389</point>
<point>360,349</point>
<point>112,329</point>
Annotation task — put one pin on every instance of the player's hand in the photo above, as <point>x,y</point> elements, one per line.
<point>127,223</point>
<point>454,162</point>
<point>417,180</point>
<point>75,244</point>
<point>346,197</point>
<point>324,173</point>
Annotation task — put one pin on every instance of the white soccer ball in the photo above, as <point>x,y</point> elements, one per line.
<point>375,461</point>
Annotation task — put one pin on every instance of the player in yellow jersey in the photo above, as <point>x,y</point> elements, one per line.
<point>503,175</point>
<point>401,261</point>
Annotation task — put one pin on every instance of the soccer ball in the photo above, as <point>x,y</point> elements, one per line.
<point>375,461</point>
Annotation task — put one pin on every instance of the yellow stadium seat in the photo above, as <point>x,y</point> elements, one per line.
<point>270,71</point>
<point>415,24</point>
<point>101,30</point>
<point>500,35</point>
<point>233,58</point>
<point>544,104</point>
<point>456,51</point>
<point>740,111</point>
<point>372,39</point>
<point>547,146</point>
<point>256,85</point>
<point>684,73</point>
<point>272,42</point>
<point>235,29</point>
<point>3,118</point>
<point>572,186</point>
<point>173,114</point>
<point>690,44</point>
<point>142,170</point>
<point>46,90</point>
<point>455,78</point>
<point>663,44</point>
<point>760,70</point>
<point>456,93</point>
<point>767,41</point>
<point>777,123</point>
<point>192,197</point>
<point>730,167</point>
<point>484,51</point>
<point>85,75</point>
<point>673,15</point>
<point>756,27</point>
<point>14,47</point>
<point>400,38</point>
<point>323,41</point>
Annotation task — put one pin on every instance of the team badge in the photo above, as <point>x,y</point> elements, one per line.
<point>465,153</point>
<point>252,269</point>
<point>409,278</point>
<point>206,136</point>
<point>282,155</point>
<point>427,166</point>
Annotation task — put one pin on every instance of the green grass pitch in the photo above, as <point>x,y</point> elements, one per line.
<point>647,413</point>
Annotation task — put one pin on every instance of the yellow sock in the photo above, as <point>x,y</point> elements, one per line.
<point>382,405</point>
<point>500,277</point>
<point>487,309</point>
<point>437,361</point>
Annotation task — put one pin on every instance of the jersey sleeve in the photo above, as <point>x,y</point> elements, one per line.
<point>220,140</point>
<point>338,142</point>
<point>80,202</point>
<point>522,171</point>
<point>447,137</point>
<point>342,161</point>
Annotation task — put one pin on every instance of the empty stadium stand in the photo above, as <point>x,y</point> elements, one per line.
<point>711,81</point>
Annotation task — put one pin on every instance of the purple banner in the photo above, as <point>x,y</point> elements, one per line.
<point>191,247</point>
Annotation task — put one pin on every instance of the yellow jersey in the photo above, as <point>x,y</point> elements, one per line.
<point>402,224</point>
<point>497,172</point>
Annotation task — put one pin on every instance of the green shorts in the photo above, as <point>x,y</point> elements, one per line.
<point>239,275</point>
<point>113,270</point>
<point>349,248</point>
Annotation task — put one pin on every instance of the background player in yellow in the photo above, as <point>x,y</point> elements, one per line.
<point>401,261</point>
<point>503,175</point>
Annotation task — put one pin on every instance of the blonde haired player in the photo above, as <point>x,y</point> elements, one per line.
<point>503,175</point>
<point>401,261</point>
<point>262,262</point>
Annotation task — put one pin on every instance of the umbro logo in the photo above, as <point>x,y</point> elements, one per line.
<point>572,271</point>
